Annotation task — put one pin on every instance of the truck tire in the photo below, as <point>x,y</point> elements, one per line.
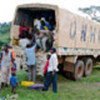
<point>79,70</point>
<point>88,67</point>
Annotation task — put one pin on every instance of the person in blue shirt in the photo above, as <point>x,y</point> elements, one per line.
<point>45,25</point>
<point>13,83</point>
<point>31,61</point>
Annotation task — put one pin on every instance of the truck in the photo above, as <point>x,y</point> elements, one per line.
<point>76,39</point>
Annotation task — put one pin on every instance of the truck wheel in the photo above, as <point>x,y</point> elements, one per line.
<point>88,67</point>
<point>79,70</point>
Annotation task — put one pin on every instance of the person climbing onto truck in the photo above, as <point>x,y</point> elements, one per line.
<point>37,23</point>
<point>45,25</point>
<point>50,41</point>
<point>23,28</point>
<point>31,61</point>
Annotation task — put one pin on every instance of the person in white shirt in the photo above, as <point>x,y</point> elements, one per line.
<point>53,62</point>
<point>37,24</point>
<point>51,76</point>
<point>23,42</point>
<point>31,61</point>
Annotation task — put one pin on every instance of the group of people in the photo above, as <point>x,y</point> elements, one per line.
<point>41,33</point>
<point>50,68</point>
<point>41,37</point>
<point>8,68</point>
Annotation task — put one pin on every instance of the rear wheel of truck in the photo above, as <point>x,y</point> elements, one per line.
<point>88,67</point>
<point>79,70</point>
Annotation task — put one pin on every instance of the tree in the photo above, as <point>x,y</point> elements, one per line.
<point>4,33</point>
<point>93,12</point>
<point>4,27</point>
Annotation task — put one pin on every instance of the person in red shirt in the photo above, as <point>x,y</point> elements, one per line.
<point>23,28</point>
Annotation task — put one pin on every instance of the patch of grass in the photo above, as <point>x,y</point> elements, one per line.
<point>4,39</point>
<point>86,89</point>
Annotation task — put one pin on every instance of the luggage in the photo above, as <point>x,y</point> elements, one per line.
<point>27,83</point>
<point>36,86</point>
<point>15,42</point>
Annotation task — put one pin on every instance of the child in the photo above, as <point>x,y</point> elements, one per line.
<point>13,68</point>
<point>13,83</point>
<point>46,65</point>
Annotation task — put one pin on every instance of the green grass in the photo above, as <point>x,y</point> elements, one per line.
<point>86,89</point>
<point>4,39</point>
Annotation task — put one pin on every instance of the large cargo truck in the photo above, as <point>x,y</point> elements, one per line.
<point>77,39</point>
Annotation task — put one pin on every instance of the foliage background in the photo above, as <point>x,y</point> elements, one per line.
<point>4,33</point>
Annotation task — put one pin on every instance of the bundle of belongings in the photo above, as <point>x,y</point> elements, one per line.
<point>31,85</point>
<point>27,83</point>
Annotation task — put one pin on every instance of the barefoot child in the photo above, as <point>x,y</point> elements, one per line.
<point>13,82</point>
<point>13,78</point>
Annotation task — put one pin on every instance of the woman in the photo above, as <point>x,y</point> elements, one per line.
<point>5,65</point>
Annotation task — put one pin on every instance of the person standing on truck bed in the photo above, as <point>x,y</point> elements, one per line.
<point>45,25</point>
<point>31,61</point>
<point>45,33</point>
<point>51,76</point>
<point>37,23</point>
<point>23,28</point>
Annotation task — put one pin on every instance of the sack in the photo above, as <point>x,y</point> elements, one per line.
<point>15,42</point>
<point>27,83</point>
<point>37,86</point>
